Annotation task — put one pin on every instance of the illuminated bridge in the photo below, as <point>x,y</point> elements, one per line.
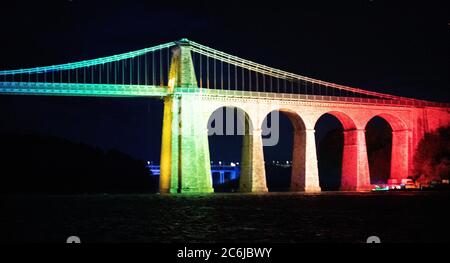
<point>194,81</point>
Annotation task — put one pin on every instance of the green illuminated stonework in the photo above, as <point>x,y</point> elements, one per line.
<point>187,167</point>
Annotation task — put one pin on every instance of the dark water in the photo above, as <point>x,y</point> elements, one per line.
<point>274,217</point>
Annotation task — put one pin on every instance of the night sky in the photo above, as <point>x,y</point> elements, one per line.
<point>399,48</point>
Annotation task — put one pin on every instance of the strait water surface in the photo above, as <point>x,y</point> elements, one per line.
<point>272,217</point>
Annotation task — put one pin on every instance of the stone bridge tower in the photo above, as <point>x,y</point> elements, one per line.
<point>185,163</point>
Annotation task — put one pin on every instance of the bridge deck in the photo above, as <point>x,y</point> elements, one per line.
<point>306,97</point>
<point>118,90</point>
<point>81,89</point>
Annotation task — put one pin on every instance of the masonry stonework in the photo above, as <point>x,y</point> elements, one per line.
<point>185,160</point>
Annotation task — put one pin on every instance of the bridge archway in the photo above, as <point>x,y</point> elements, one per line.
<point>387,139</point>
<point>394,122</point>
<point>350,148</point>
<point>379,145</point>
<point>329,135</point>
<point>346,122</point>
<point>284,139</point>
<point>227,128</point>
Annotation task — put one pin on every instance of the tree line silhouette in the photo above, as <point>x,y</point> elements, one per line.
<point>31,163</point>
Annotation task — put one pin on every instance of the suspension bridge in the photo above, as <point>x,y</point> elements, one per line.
<point>195,80</point>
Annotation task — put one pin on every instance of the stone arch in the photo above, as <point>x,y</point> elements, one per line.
<point>395,122</point>
<point>242,116</point>
<point>354,169</point>
<point>400,146</point>
<point>294,117</point>
<point>232,120</point>
<point>296,179</point>
<point>345,120</point>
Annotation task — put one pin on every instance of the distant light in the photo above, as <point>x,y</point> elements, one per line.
<point>148,162</point>
<point>232,164</point>
<point>237,163</point>
<point>220,163</point>
<point>287,162</point>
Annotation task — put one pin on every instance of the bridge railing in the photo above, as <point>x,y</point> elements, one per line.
<point>81,89</point>
<point>305,97</point>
